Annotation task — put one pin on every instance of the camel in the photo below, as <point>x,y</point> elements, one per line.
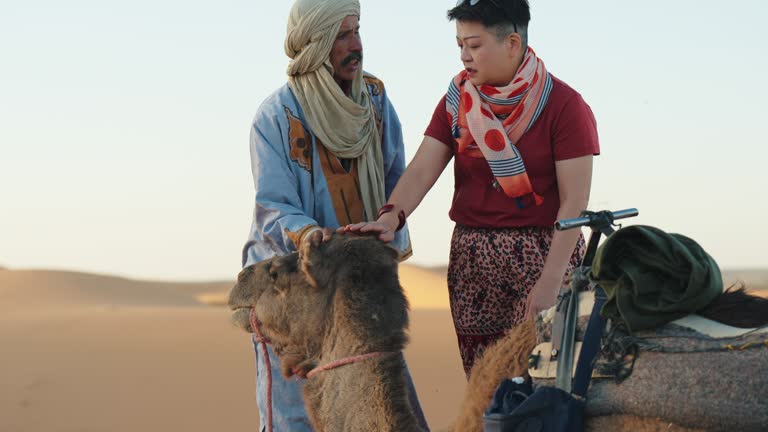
<point>327,302</point>
<point>718,390</point>
<point>341,298</point>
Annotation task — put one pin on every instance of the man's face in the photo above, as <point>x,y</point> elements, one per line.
<point>347,52</point>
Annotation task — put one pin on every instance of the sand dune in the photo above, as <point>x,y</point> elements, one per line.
<point>83,352</point>
<point>72,288</point>
<point>425,288</point>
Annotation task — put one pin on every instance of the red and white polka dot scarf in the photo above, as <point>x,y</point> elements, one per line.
<point>492,119</point>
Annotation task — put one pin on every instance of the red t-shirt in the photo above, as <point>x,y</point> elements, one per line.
<point>566,129</point>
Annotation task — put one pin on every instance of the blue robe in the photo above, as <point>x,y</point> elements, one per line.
<point>300,184</point>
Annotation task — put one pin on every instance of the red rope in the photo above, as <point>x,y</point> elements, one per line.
<point>346,361</point>
<point>260,339</point>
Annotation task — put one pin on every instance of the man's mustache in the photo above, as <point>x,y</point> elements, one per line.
<point>356,55</point>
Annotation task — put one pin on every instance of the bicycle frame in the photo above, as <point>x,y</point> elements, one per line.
<point>564,325</point>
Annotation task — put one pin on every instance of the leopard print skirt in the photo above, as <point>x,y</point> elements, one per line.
<point>490,274</point>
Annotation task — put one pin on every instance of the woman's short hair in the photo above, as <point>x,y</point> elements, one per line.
<point>502,16</point>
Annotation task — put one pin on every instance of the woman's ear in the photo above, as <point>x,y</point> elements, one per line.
<point>514,44</point>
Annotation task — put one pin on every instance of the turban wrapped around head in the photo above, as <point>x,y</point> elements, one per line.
<point>312,29</point>
<point>344,123</point>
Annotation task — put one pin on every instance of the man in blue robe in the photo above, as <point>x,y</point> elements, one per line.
<point>326,151</point>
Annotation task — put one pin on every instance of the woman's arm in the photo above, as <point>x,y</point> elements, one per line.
<point>419,177</point>
<point>574,181</point>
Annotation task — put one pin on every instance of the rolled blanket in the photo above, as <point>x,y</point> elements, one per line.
<point>652,277</point>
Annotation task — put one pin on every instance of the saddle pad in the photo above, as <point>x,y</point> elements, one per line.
<point>693,372</point>
<point>715,391</point>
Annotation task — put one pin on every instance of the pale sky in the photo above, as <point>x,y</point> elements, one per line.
<point>124,125</point>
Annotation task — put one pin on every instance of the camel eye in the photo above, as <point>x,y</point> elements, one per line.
<point>273,275</point>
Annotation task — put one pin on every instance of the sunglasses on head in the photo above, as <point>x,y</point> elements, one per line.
<point>493,2</point>
<point>474,2</point>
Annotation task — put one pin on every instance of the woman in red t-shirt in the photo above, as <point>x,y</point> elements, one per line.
<point>523,143</point>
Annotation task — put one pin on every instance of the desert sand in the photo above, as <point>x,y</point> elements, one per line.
<point>90,353</point>
<point>84,352</point>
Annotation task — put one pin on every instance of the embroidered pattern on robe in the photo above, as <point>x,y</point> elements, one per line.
<point>300,141</point>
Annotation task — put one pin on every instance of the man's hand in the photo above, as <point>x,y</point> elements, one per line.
<point>318,235</point>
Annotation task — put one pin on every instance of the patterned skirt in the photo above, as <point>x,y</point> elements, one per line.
<point>490,274</point>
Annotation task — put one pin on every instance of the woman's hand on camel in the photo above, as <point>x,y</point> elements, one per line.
<point>542,297</point>
<point>384,227</point>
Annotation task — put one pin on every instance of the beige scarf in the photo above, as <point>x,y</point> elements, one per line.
<point>345,124</point>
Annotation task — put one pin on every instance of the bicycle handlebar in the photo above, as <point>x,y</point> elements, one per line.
<point>592,218</point>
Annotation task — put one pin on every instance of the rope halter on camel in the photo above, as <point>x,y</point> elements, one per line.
<point>259,338</point>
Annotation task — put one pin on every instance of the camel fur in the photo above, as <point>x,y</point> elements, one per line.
<point>329,301</point>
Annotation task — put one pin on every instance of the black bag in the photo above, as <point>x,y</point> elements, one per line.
<point>516,407</point>
<point>548,409</point>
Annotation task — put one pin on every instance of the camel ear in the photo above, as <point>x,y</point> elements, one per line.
<point>310,244</point>
<point>306,268</point>
<point>313,239</point>
<point>313,254</point>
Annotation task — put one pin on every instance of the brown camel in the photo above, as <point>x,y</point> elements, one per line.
<point>722,386</point>
<point>329,301</point>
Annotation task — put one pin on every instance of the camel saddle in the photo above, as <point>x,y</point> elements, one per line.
<point>693,371</point>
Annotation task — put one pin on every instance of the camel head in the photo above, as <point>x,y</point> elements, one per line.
<point>342,293</point>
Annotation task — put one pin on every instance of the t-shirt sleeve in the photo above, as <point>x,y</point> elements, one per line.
<point>576,131</point>
<point>439,127</point>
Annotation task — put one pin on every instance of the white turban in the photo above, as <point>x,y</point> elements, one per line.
<point>346,125</point>
<point>312,28</point>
